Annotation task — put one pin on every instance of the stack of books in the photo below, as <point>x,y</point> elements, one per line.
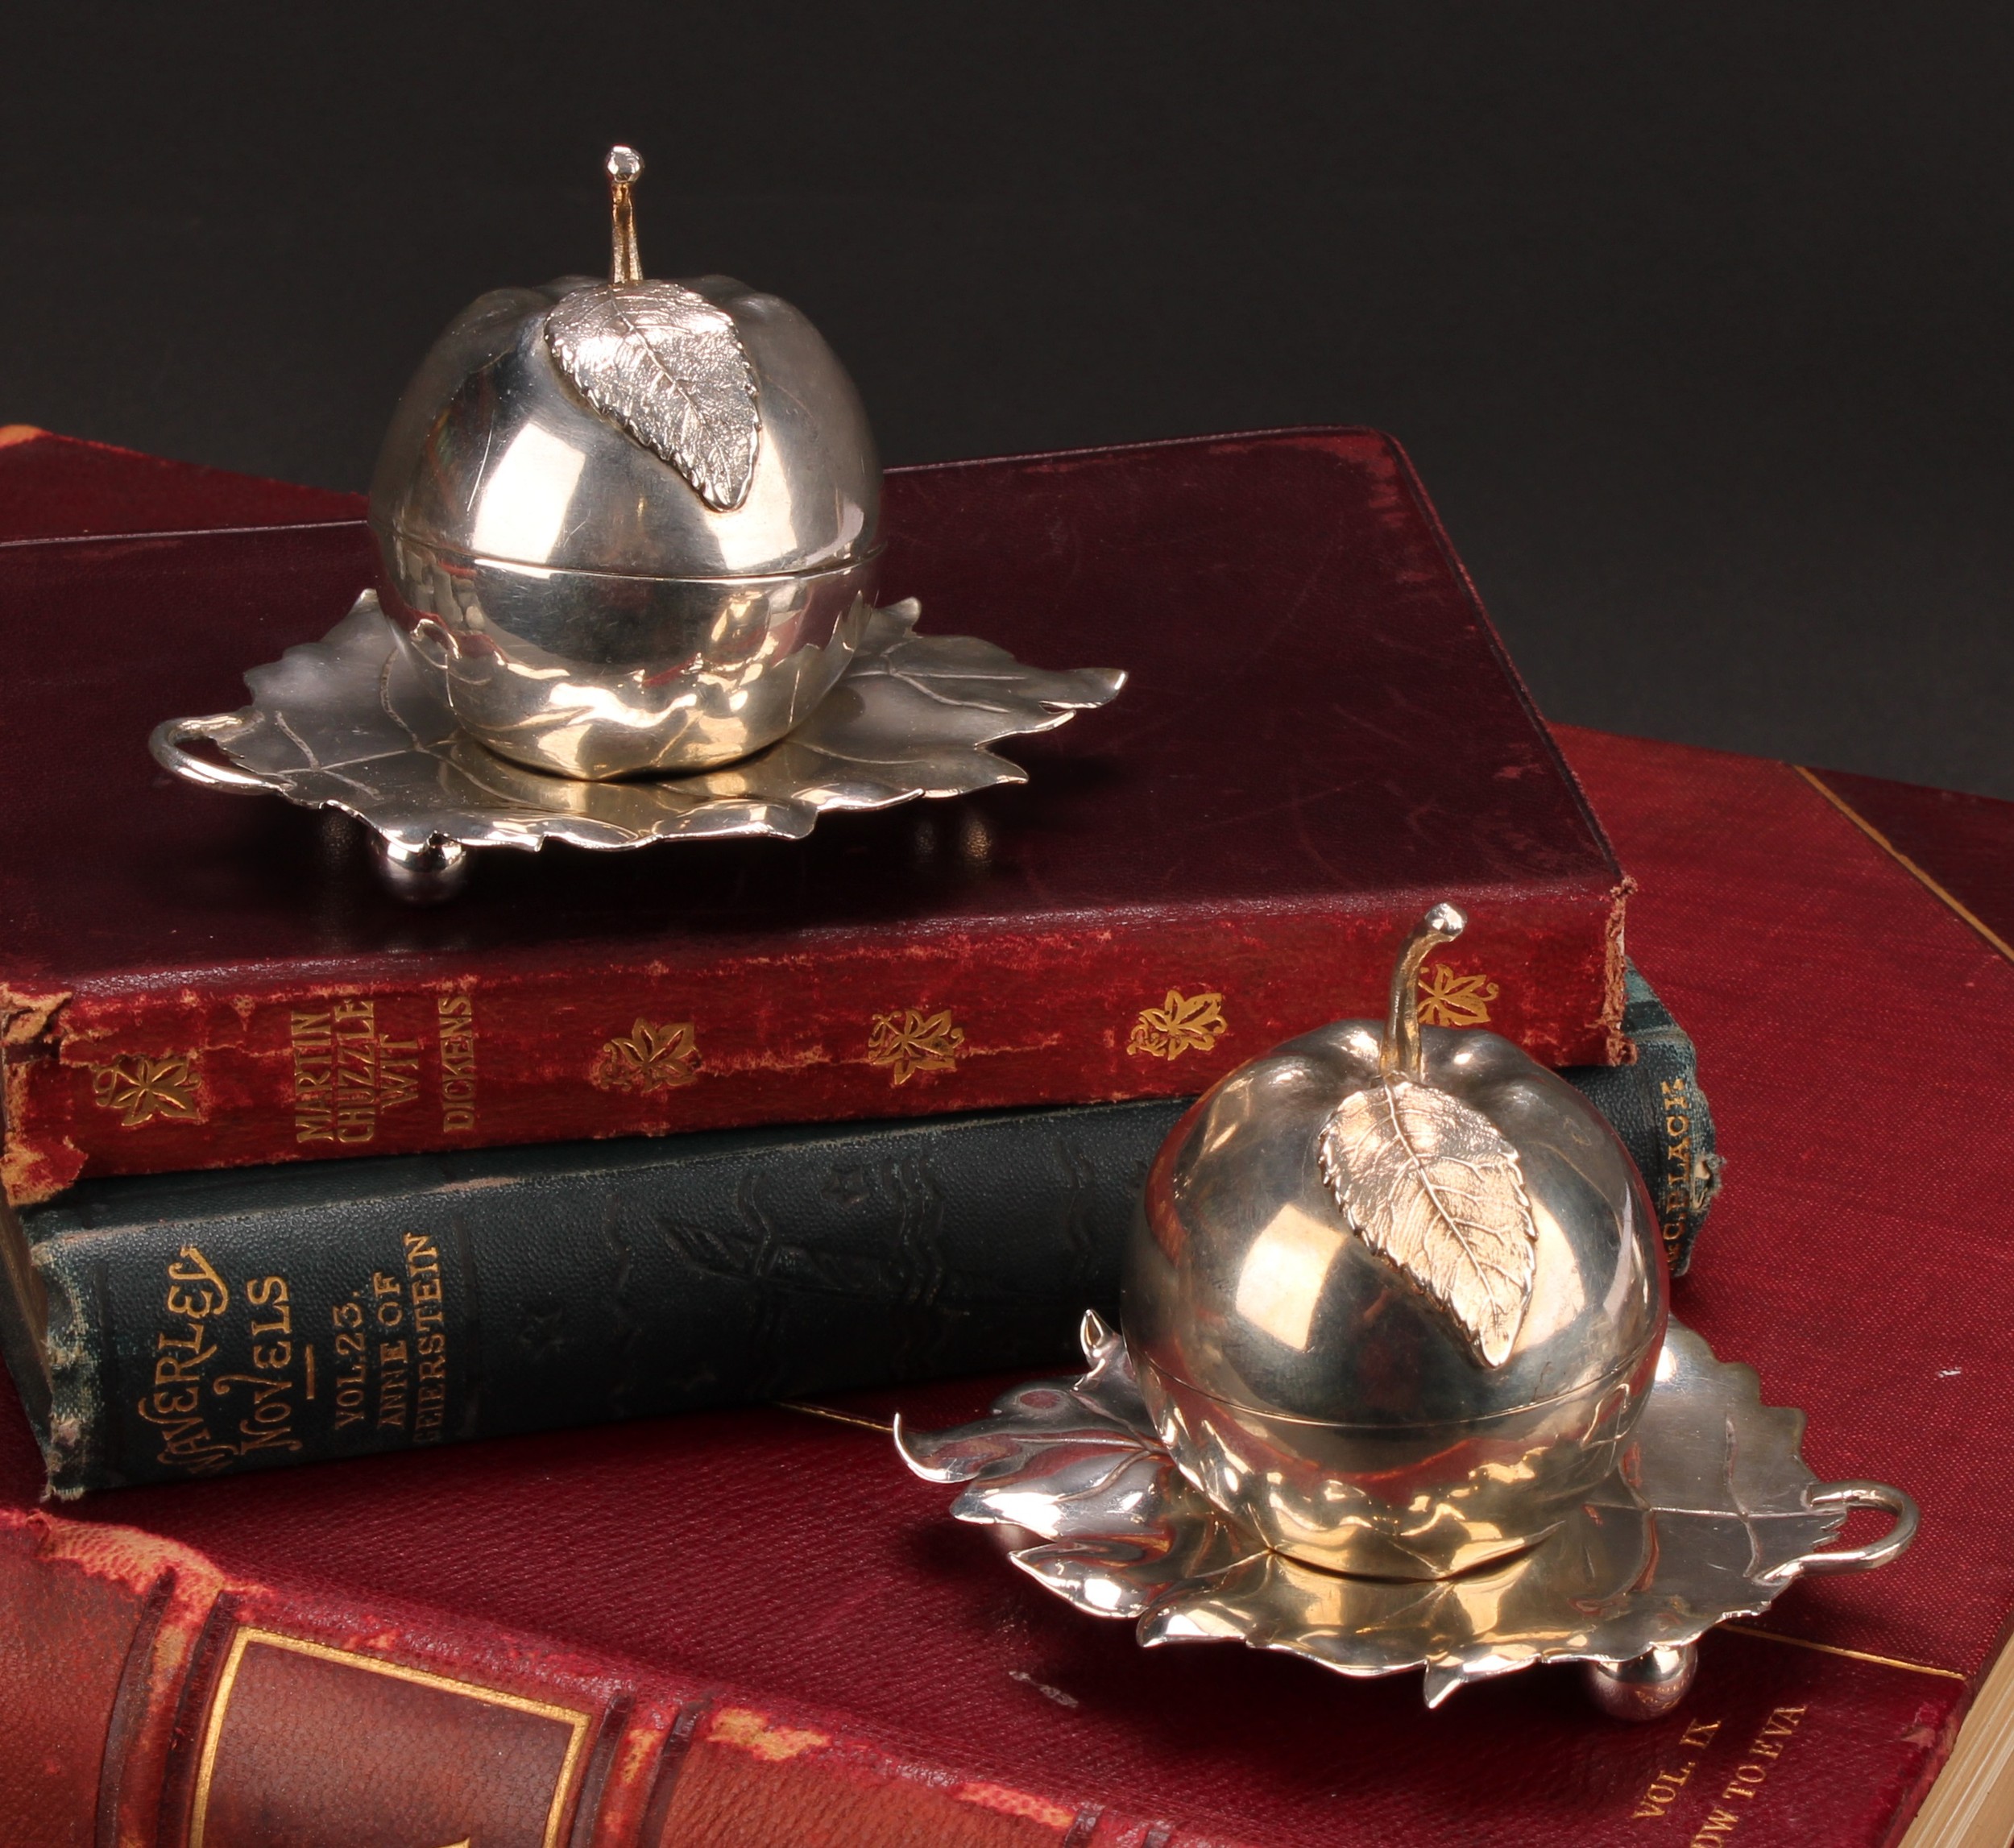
<point>296,1175</point>
<point>301,1175</point>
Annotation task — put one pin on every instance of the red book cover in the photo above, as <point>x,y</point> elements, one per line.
<point>1320,735</point>
<point>1961,847</point>
<point>767,1632</point>
<point>54,487</point>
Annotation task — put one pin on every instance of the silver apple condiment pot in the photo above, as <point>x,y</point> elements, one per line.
<point>1396,1295</point>
<point>632,523</point>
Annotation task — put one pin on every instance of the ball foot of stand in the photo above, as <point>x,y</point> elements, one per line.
<point>429,875</point>
<point>1648,1686</point>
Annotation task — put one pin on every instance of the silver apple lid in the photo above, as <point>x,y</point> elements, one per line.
<point>1393,1226</point>
<point>690,430</point>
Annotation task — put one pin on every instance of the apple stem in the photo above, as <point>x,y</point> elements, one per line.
<point>625,167</point>
<point>1399,1052</point>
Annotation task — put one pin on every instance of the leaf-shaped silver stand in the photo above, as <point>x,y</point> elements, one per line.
<point>356,721</point>
<point>1712,1515</point>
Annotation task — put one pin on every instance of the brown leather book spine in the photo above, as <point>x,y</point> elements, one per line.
<point>146,1076</point>
<point>149,1699</point>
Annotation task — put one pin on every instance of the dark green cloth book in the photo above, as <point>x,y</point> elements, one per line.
<point>187,1325</point>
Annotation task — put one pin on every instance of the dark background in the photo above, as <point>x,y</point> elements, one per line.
<point>1696,317</point>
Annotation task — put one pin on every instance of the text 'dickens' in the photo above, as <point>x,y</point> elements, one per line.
<point>351,1070</point>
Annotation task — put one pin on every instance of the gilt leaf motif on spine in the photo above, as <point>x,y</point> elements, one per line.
<point>1430,1184</point>
<point>666,365</point>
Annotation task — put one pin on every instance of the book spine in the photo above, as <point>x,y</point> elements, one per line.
<point>188,1696</point>
<point>1658,1108</point>
<point>199,1325</point>
<point>149,1076</point>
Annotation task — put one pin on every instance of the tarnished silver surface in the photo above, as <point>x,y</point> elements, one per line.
<point>1710,1514</point>
<point>633,524</point>
<point>354,723</point>
<point>1395,1293</point>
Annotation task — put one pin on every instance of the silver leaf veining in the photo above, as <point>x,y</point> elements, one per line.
<point>668,366</point>
<point>1428,1184</point>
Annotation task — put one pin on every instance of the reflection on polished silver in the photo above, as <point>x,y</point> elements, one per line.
<point>1710,1512</point>
<point>1395,1293</point>
<point>632,525</point>
<point>1646,1687</point>
<point>429,874</point>
<point>354,723</point>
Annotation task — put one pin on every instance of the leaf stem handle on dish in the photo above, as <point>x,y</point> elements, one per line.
<point>1399,1052</point>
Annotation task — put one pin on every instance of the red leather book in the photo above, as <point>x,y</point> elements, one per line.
<point>833,1660</point>
<point>1321,732</point>
<point>56,487</point>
